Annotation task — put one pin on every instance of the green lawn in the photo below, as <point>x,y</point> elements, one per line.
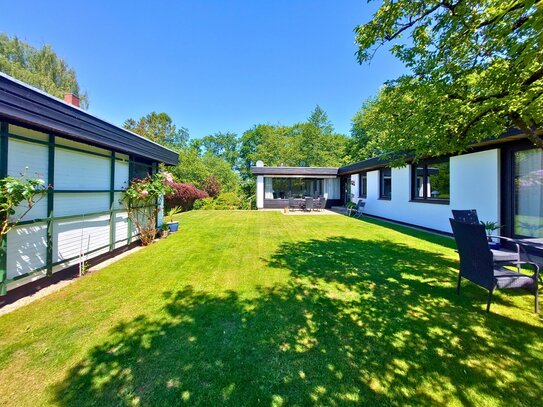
<point>247,308</point>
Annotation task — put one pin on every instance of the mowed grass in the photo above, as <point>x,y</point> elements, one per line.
<point>258,308</point>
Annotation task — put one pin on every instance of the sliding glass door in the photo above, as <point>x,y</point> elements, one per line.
<point>528,193</point>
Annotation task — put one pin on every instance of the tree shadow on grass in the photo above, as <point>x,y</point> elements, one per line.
<point>362,322</point>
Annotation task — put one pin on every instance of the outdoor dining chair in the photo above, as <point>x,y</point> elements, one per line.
<point>500,256</point>
<point>477,265</point>
<point>322,202</point>
<point>292,204</point>
<point>308,203</point>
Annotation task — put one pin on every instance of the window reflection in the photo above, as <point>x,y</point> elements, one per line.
<point>528,191</point>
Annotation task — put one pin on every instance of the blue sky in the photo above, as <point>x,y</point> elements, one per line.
<point>211,65</point>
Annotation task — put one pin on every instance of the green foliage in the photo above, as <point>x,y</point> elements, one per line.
<point>14,191</point>
<point>174,211</point>
<point>195,169</point>
<point>159,127</point>
<point>225,201</point>
<point>205,204</point>
<point>222,145</point>
<point>476,70</point>
<point>141,202</point>
<point>491,226</point>
<point>312,143</point>
<point>41,68</point>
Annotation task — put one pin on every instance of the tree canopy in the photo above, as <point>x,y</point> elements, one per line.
<point>223,145</point>
<point>475,70</point>
<point>41,68</point>
<point>312,143</point>
<point>159,127</point>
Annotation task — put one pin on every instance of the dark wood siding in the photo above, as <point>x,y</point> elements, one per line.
<point>24,105</point>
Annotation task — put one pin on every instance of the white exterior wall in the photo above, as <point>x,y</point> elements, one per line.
<point>474,184</point>
<point>82,233</point>
<point>260,192</point>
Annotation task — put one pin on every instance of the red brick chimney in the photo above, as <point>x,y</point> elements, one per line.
<point>71,99</point>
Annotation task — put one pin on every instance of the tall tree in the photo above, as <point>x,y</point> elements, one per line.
<point>476,69</point>
<point>223,145</point>
<point>41,68</point>
<point>319,118</point>
<point>159,127</point>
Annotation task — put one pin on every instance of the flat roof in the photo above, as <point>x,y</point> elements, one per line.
<point>295,171</point>
<point>28,105</point>
<point>383,160</point>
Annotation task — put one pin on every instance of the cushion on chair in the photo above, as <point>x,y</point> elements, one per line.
<point>506,278</point>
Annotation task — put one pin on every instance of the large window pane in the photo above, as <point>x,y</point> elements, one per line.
<point>431,181</point>
<point>419,182</point>
<point>386,183</point>
<point>364,185</point>
<point>284,188</point>
<point>281,188</point>
<point>528,190</point>
<point>439,180</point>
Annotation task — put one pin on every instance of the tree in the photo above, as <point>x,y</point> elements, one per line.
<point>223,145</point>
<point>159,127</point>
<point>475,70</point>
<point>319,118</point>
<point>41,68</point>
<point>195,169</point>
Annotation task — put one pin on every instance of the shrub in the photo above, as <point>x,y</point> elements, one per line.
<point>205,204</point>
<point>227,200</point>
<point>183,195</point>
<point>140,200</point>
<point>212,186</point>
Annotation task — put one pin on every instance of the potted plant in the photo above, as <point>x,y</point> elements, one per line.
<point>491,227</point>
<point>173,226</point>
<point>165,230</point>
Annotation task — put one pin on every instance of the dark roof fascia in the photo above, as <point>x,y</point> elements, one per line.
<point>382,161</point>
<point>293,171</point>
<point>24,104</point>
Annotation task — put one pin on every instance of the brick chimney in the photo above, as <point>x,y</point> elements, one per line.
<point>71,99</point>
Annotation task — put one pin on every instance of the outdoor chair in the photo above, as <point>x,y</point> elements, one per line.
<point>477,265</point>
<point>322,202</point>
<point>308,203</point>
<point>292,204</point>
<point>500,256</point>
<point>359,210</point>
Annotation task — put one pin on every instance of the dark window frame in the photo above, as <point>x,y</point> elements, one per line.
<point>363,186</point>
<point>382,175</point>
<point>425,198</point>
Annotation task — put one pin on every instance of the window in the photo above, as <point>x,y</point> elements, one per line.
<point>284,188</point>
<point>363,185</point>
<point>431,181</point>
<point>385,190</point>
<point>528,193</point>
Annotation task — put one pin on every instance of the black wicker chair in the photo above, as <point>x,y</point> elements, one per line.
<point>477,265</point>
<point>500,256</point>
<point>292,204</point>
<point>309,203</point>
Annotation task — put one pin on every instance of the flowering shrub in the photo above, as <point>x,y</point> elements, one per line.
<point>141,202</point>
<point>212,186</point>
<point>183,195</point>
<point>14,191</point>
